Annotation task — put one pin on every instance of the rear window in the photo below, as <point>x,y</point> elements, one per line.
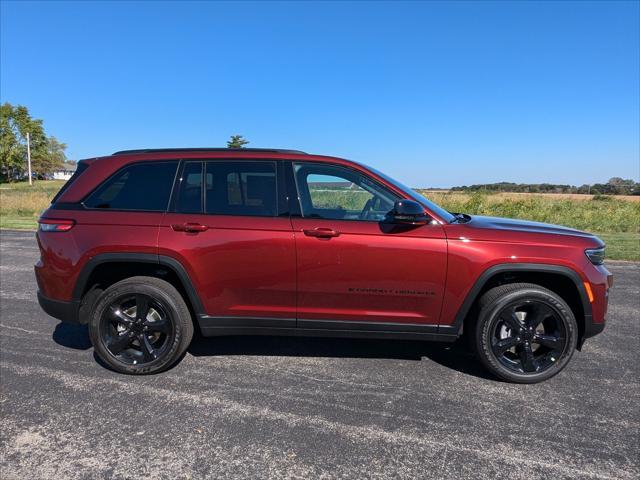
<point>80,167</point>
<point>144,186</point>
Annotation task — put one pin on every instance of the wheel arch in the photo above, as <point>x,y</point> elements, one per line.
<point>562,280</point>
<point>105,269</point>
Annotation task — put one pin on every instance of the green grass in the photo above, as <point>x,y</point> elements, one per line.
<point>622,246</point>
<point>607,215</point>
<point>616,221</point>
<point>49,186</point>
<point>21,203</point>
<point>18,223</point>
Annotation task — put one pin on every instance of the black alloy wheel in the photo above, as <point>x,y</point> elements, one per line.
<point>137,329</point>
<point>524,333</point>
<point>528,336</point>
<point>140,325</point>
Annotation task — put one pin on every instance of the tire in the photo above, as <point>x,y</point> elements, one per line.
<point>140,344</point>
<point>524,333</point>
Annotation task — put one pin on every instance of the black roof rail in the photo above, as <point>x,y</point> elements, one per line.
<point>208,149</point>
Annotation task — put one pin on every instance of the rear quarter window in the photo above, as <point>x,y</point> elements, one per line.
<point>143,187</point>
<point>81,167</point>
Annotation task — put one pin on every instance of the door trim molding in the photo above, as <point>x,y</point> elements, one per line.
<point>224,326</point>
<point>370,326</point>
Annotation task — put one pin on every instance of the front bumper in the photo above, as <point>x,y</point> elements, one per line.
<point>599,307</point>
<point>592,329</point>
<point>65,311</point>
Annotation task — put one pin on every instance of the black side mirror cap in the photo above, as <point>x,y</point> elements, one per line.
<point>408,212</point>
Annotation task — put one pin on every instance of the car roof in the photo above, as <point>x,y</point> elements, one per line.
<point>207,149</point>
<point>125,157</point>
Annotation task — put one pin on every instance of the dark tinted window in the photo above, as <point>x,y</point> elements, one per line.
<point>189,195</point>
<point>241,188</point>
<point>145,186</point>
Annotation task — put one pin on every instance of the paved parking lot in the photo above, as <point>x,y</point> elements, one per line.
<point>308,408</point>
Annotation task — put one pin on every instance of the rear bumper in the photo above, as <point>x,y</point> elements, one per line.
<point>65,311</point>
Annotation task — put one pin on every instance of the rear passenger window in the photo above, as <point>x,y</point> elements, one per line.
<point>241,188</point>
<point>144,186</point>
<point>189,196</point>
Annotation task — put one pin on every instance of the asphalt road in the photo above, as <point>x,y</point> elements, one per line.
<point>267,407</point>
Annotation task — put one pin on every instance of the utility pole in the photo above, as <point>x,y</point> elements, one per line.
<point>29,157</point>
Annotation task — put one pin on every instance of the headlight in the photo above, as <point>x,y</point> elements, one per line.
<point>595,255</point>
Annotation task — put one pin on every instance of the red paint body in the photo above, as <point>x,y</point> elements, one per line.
<point>268,267</point>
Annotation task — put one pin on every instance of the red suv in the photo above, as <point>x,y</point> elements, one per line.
<point>145,246</point>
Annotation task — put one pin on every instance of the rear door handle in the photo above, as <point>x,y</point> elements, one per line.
<point>189,227</point>
<point>321,232</point>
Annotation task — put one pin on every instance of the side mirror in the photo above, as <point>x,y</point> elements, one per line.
<point>408,212</point>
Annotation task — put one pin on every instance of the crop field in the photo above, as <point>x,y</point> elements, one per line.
<point>615,219</point>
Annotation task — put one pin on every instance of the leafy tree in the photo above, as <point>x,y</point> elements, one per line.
<point>622,186</point>
<point>15,122</point>
<point>237,141</point>
<point>620,181</point>
<point>49,159</point>
<point>47,154</point>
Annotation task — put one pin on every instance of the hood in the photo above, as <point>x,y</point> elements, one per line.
<point>525,226</point>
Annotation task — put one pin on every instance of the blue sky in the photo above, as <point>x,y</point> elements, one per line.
<point>434,94</point>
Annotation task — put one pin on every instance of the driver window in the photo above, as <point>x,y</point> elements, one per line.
<point>338,193</point>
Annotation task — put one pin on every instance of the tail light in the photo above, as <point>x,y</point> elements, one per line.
<point>55,224</point>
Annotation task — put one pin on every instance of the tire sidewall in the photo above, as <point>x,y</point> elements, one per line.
<point>167,302</point>
<point>488,316</point>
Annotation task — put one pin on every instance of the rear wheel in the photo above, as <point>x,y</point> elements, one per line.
<point>140,325</point>
<point>525,333</point>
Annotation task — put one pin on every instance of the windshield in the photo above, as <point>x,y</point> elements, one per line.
<point>437,209</point>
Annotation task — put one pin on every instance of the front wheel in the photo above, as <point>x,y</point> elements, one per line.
<point>140,325</point>
<point>525,333</point>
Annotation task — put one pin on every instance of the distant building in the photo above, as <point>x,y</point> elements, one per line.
<point>65,173</point>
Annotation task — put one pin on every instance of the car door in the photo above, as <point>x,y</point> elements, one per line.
<point>229,227</point>
<point>355,270</point>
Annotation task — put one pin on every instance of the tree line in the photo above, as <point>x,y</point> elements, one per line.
<point>615,186</point>
<point>47,153</point>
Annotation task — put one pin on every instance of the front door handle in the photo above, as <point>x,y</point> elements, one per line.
<point>189,227</point>
<point>321,232</point>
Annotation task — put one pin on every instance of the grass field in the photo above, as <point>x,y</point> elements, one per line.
<point>21,204</point>
<point>615,220</point>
